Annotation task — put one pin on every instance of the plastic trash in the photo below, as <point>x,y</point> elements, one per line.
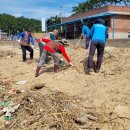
<point>21,82</point>
<point>4,103</point>
<point>1,81</point>
<point>7,118</point>
<point>6,81</point>
<point>61,62</point>
<point>8,57</point>
<point>10,109</point>
<point>1,89</point>
<point>23,91</point>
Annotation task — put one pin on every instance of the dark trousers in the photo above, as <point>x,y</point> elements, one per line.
<point>28,48</point>
<point>100,51</point>
<point>87,43</point>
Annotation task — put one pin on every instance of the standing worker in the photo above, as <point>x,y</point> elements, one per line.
<point>85,35</point>
<point>52,48</point>
<point>98,35</point>
<point>54,35</point>
<point>25,38</point>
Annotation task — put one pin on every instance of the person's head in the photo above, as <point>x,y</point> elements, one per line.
<point>64,42</point>
<point>55,32</point>
<point>29,31</point>
<point>99,21</point>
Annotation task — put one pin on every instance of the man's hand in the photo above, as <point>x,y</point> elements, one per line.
<point>32,46</point>
<point>70,64</point>
<point>84,37</point>
<point>19,41</point>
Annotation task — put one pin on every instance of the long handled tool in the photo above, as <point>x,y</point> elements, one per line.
<point>82,21</point>
<point>78,42</point>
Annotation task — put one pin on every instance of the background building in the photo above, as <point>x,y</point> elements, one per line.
<point>117,19</point>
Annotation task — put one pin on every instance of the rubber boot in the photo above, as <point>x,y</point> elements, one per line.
<point>56,68</point>
<point>37,71</point>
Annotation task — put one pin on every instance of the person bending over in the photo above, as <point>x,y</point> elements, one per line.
<point>52,48</point>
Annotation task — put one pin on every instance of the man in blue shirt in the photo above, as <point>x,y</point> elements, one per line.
<point>98,35</point>
<point>25,38</point>
<point>54,34</point>
<point>85,35</point>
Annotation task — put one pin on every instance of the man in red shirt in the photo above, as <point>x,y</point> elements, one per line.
<point>52,48</point>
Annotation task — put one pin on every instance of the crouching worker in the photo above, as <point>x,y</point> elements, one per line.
<point>98,35</point>
<point>25,38</point>
<point>52,48</point>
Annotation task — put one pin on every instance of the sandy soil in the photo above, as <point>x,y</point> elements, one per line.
<point>109,90</point>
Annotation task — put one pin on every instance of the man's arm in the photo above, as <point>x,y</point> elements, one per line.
<point>32,42</point>
<point>20,36</point>
<point>62,49</point>
<point>91,32</point>
<point>43,40</point>
<point>82,32</point>
<point>106,34</point>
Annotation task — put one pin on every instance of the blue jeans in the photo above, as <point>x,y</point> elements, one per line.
<point>40,48</point>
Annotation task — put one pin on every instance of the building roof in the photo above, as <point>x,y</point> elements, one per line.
<point>88,17</point>
<point>96,13</point>
<point>116,9</point>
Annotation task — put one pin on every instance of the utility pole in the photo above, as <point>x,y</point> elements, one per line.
<point>61,17</point>
<point>0,33</point>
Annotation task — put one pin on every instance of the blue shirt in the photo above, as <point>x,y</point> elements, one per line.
<point>52,37</point>
<point>85,31</point>
<point>98,33</point>
<point>26,38</point>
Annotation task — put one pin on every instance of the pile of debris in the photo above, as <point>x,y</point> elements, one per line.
<point>35,109</point>
<point>40,108</point>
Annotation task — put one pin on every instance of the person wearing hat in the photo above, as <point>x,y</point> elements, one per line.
<point>85,34</point>
<point>98,35</point>
<point>25,38</point>
<point>52,48</point>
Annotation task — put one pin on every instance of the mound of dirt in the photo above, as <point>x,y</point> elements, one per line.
<point>6,52</point>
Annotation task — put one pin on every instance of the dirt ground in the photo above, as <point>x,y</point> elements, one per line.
<point>107,93</point>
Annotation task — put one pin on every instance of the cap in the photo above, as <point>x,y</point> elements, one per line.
<point>99,21</point>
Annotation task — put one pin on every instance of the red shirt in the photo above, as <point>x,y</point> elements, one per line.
<point>54,47</point>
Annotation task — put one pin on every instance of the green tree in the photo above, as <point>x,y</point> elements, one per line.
<point>52,21</point>
<point>12,25</point>
<point>91,4</point>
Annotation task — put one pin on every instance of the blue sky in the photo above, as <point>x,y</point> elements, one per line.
<point>37,8</point>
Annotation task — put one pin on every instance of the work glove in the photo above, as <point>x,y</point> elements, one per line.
<point>70,64</point>
<point>32,46</point>
<point>19,41</point>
